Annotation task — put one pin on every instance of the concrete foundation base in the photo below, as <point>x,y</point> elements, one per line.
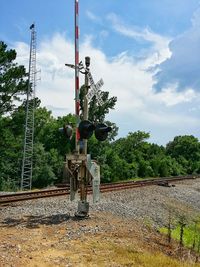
<point>83,209</point>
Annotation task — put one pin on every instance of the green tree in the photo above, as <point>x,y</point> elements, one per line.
<point>13,82</point>
<point>186,150</point>
<point>145,169</point>
<point>186,146</point>
<point>10,155</point>
<point>49,134</point>
<point>50,147</point>
<point>133,146</point>
<point>47,166</point>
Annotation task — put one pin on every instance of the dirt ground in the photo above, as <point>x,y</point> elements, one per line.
<point>100,240</point>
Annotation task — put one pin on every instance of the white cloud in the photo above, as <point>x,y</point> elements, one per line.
<point>160,43</point>
<point>171,97</point>
<point>183,67</point>
<point>138,106</point>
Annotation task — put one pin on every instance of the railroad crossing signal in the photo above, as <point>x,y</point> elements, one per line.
<point>86,129</point>
<point>78,164</point>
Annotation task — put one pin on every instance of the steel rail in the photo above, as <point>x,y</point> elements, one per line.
<point>107,187</point>
<point>22,196</point>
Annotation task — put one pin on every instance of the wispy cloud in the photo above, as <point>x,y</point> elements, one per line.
<point>160,43</point>
<point>93,17</point>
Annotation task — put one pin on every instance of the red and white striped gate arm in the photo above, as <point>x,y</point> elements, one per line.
<point>77,99</point>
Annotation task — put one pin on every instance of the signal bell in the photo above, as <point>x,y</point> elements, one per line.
<point>101,131</point>
<point>86,129</point>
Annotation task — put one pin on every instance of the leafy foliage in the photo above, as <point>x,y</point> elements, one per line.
<point>186,151</point>
<point>12,79</point>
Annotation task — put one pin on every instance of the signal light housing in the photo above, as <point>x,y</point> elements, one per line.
<point>86,129</point>
<point>101,131</point>
<point>67,131</point>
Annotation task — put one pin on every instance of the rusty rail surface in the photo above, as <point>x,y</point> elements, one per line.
<point>22,196</point>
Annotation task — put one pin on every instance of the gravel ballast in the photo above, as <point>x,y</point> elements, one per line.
<point>150,204</point>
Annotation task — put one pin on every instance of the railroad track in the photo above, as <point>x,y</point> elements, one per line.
<point>22,196</point>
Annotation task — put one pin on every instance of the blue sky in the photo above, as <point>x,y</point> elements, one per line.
<point>147,53</point>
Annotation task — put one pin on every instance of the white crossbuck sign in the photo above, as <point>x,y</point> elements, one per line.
<point>94,89</point>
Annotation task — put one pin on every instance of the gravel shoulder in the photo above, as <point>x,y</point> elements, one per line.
<point>44,232</point>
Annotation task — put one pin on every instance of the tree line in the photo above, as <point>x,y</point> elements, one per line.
<point>120,159</point>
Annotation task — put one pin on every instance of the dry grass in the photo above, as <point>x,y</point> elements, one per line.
<point>104,254</point>
<point>120,242</point>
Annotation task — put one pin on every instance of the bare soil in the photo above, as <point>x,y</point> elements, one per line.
<point>103,239</point>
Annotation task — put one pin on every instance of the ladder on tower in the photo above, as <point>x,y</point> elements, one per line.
<point>27,162</point>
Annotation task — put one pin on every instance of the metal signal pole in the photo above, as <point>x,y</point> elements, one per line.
<point>85,101</point>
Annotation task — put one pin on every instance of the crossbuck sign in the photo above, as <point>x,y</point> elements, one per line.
<point>94,89</point>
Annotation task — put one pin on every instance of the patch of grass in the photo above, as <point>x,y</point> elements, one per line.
<point>191,233</point>
<point>158,259</point>
<point>108,253</point>
<point>130,257</point>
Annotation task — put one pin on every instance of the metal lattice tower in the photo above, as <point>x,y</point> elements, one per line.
<point>27,163</point>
